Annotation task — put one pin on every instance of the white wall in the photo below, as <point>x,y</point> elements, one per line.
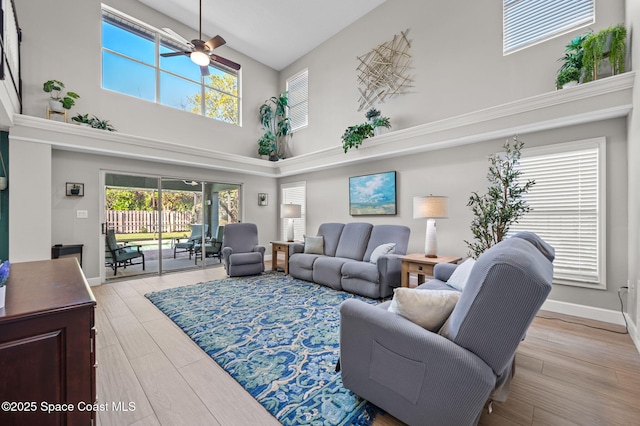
<point>633,129</point>
<point>62,41</point>
<point>458,66</point>
<point>69,166</point>
<point>29,201</point>
<point>456,172</point>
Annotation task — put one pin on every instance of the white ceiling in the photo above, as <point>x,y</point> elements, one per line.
<point>274,32</point>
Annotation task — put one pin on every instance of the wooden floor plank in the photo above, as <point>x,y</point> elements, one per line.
<point>173,400</point>
<point>133,337</point>
<point>117,383</point>
<point>175,344</point>
<point>224,399</point>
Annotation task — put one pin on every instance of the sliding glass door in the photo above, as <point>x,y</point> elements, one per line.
<point>177,224</point>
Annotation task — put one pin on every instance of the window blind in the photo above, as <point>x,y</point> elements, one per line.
<point>527,22</point>
<point>298,88</point>
<point>294,193</point>
<point>567,209</point>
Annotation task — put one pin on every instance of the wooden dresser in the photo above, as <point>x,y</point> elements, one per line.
<point>47,346</point>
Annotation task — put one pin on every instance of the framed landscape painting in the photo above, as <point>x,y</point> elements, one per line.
<point>372,194</point>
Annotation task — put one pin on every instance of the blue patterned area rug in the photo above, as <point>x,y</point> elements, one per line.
<point>278,337</point>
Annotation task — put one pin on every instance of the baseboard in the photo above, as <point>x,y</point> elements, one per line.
<point>633,332</point>
<point>599,314</point>
<point>94,281</point>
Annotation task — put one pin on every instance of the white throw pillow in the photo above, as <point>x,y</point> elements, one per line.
<point>381,250</point>
<point>427,308</point>
<point>461,274</point>
<point>314,245</point>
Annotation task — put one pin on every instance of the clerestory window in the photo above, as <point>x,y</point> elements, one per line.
<point>132,65</point>
<point>528,22</point>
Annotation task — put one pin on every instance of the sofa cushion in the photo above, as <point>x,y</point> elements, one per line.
<point>331,233</point>
<point>381,234</point>
<point>381,250</point>
<point>353,240</point>
<point>314,245</point>
<point>363,270</point>
<point>328,271</point>
<point>427,308</point>
<point>460,275</point>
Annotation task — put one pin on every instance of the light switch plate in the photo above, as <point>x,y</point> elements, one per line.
<point>82,214</point>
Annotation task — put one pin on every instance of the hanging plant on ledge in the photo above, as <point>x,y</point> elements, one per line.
<point>355,135</point>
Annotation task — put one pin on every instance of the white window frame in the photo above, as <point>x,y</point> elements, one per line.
<point>526,23</point>
<point>567,277</point>
<point>160,37</point>
<point>294,193</point>
<point>303,103</point>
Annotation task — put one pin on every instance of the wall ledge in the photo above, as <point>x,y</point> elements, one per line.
<point>599,100</point>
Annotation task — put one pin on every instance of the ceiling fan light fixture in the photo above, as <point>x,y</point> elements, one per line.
<point>200,58</point>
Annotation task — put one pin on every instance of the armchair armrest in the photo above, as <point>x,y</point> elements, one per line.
<point>418,376</point>
<point>443,271</point>
<point>260,249</point>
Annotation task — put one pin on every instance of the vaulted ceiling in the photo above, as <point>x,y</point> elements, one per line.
<point>274,32</point>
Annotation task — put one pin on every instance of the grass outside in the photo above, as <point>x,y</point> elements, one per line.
<point>146,236</point>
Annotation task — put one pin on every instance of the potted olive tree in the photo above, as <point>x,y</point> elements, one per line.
<point>59,100</point>
<point>276,126</point>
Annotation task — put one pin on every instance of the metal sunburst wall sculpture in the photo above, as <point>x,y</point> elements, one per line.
<point>384,71</point>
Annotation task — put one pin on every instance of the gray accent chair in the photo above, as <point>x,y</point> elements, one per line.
<point>241,253</point>
<point>445,378</point>
<point>345,264</point>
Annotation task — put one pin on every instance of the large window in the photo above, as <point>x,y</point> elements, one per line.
<point>298,89</point>
<point>294,193</point>
<point>568,208</point>
<point>131,64</point>
<point>528,22</point>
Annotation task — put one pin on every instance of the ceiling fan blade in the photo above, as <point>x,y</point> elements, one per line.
<point>215,42</point>
<point>225,62</point>
<point>204,70</point>
<point>176,36</point>
<point>166,55</point>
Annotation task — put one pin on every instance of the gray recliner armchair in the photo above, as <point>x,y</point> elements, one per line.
<point>445,378</point>
<point>241,253</point>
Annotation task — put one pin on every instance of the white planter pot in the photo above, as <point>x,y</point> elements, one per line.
<point>570,84</point>
<point>3,291</point>
<point>55,105</point>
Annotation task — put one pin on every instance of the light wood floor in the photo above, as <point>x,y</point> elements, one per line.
<point>566,374</point>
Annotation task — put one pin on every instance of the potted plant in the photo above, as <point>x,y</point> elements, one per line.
<point>4,276</point>
<point>503,204</point>
<point>59,100</point>
<point>610,43</point>
<point>572,59</point>
<point>82,119</point>
<point>276,126</point>
<point>96,123</point>
<point>567,78</point>
<point>355,135</point>
<point>75,189</point>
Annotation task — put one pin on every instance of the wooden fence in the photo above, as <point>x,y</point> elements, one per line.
<point>135,221</point>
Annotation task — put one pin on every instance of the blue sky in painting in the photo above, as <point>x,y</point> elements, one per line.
<point>373,189</point>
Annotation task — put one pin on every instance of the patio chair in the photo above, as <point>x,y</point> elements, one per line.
<point>121,255</point>
<point>194,238</point>
<point>212,248</point>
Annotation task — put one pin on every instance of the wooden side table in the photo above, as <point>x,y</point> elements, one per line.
<point>280,247</point>
<point>421,265</point>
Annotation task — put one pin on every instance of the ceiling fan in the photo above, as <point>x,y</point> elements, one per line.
<point>201,52</point>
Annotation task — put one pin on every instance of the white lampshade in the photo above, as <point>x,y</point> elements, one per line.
<point>200,58</point>
<point>290,211</point>
<point>431,207</point>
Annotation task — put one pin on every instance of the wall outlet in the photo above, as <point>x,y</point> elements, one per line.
<point>632,286</point>
<point>82,214</point>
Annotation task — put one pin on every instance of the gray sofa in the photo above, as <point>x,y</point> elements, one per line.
<point>427,378</point>
<point>345,263</point>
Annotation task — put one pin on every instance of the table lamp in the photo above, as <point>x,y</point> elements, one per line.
<point>291,212</point>
<point>432,207</point>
